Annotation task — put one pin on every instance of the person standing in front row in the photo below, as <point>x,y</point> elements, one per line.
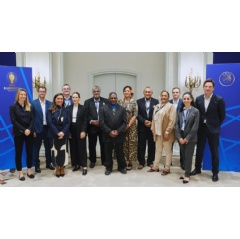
<point>77,137</point>
<point>177,102</point>
<point>93,106</point>
<point>164,117</point>
<point>212,113</point>
<point>186,128</point>
<point>145,111</point>
<point>22,120</point>
<point>130,142</point>
<point>113,120</point>
<point>58,121</point>
<point>40,107</point>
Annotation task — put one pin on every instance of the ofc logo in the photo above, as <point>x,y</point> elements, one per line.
<point>226,78</point>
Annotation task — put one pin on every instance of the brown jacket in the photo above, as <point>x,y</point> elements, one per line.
<point>167,121</point>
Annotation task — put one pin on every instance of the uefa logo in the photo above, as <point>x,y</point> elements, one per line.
<point>226,78</point>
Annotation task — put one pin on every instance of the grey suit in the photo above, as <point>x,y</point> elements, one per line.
<point>190,133</point>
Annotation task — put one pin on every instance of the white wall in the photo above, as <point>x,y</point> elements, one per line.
<point>79,67</point>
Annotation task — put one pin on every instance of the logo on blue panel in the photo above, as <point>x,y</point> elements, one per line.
<point>226,78</point>
<point>12,79</point>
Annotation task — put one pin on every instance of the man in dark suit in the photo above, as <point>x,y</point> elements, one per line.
<point>145,111</point>
<point>66,90</point>
<point>177,102</point>
<point>40,107</point>
<point>113,120</point>
<point>93,106</point>
<point>212,113</point>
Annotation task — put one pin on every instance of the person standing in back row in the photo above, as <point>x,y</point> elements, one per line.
<point>93,106</point>
<point>212,114</point>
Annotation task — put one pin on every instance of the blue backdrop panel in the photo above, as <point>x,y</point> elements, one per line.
<point>11,78</point>
<point>227,80</point>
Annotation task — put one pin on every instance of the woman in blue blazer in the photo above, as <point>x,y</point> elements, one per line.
<point>59,122</point>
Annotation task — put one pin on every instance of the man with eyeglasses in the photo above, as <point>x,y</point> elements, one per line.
<point>40,107</point>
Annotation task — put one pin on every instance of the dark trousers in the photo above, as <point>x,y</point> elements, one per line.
<point>78,150</point>
<point>181,154</point>
<point>18,143</point>
<point>213,141</point>
<point>187,154</point>
<point>145,138</point>
<point>92,142</point>
<point>37,142</point>
<point>119,152</point>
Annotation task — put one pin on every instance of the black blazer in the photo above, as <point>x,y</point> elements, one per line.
<point>215,113</point>
<point>55,126</point>
<point>19,125</point>
<point>109,122</point>
<point>81,121</point>
<point>92,112</point>
<point>142,113</point>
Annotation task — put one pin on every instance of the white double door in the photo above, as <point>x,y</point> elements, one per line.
<point>114,82</point>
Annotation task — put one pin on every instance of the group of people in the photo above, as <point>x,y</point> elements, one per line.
<point>125,127</point>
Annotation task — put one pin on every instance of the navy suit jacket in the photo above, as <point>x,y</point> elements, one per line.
<point>38,114</point>
<point>215,113</point>
<point>179,103</point>
<point>142,113</point>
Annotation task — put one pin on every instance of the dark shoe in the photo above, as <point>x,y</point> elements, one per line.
<point>186,180</point>
<point>103,163</point>
<point>182,166</point>
<point>129,167</point>
<point>84,172</point>
<point>215,178</point>
<point>123,171</point>
<point>37,170</point>
<point>195,171</point>
<point>22,178</point>
<point>30,176</point>
<point>76,168</point>
<point>108,172</point>
<point>12,170</point>
<point>165,172</point>
<point>92,165</point>
<point>51,167</point>
<point>153,170</point>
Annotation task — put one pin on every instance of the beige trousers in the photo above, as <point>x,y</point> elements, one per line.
<point>158,154</point>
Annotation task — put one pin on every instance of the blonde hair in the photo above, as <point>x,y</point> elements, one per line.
<point>26,102</point>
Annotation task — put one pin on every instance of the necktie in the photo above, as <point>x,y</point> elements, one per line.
<point>147,107</point>
<point>97,107</point>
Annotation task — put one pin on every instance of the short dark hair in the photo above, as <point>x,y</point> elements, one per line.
<point>210,81</point>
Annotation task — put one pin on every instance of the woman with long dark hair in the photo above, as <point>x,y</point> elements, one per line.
<point>59,122</point>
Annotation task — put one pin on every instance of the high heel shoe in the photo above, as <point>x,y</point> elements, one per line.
<point>22,178</point>
<point>57,171</point>
<point>30,175</point>
<point>186,180</point>
<point>62,173</point>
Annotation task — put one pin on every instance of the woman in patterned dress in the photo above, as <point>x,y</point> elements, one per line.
<point>130,143</point>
